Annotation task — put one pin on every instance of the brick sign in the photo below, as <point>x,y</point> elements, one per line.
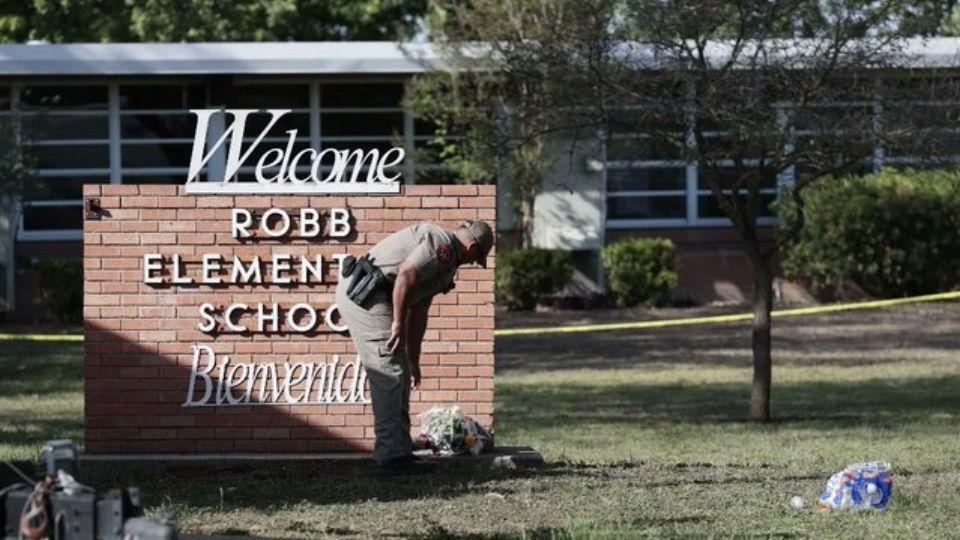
<point>210,323</point>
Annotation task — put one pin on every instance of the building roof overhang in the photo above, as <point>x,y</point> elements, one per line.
<point>359,58</point>
<point>277,58</point>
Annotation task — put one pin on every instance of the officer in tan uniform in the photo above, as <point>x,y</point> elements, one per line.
<point>384,298</point>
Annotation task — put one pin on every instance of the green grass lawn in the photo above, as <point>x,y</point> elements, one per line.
<point>41,396</point>
<point>643,435</point>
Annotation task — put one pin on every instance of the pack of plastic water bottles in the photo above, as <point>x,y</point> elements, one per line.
<point>861,486</point>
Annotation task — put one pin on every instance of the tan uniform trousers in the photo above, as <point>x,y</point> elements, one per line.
<point>389,374</point>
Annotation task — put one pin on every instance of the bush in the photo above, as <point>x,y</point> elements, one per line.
<point>891,234</point>
<point>60,289</point>
<point>640,270</point>
<point>526,275</point>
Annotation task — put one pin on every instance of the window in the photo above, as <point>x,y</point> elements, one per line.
<point>647,176</point>
<point>646,192</point>
<point>141,132</point>
<point>156,131</point>
<point>362,116</point>
<point>431,153</point>
<point>857,127</point>
<point>265,94</point>
<point>651,183</point>
<point>709,208</point>
<point>65,129</point>
<point>841,134</point>
<point>929,125</point>
<point>339,115</point>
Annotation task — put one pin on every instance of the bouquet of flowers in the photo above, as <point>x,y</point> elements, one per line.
<point>447,431</point>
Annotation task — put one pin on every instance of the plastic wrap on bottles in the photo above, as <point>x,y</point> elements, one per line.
<point>861,486</point>
<point>447,431</point>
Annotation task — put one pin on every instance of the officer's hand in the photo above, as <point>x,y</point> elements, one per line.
<point>415,372</point>
<point>396,341</point>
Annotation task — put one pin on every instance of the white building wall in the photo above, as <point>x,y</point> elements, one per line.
<point>569,211</point>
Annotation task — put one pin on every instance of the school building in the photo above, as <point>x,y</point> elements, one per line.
<point>119,114</point>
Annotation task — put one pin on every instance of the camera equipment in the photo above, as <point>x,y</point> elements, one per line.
<point>59,456</point>
<point>60,508</point>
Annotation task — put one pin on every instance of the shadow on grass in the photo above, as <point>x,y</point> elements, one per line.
<point>626,529</point>
<point>845,339</point>
<point>274,485</point>
<point>41,387</point>
<point>275,488</point>
<point>884,402</point>
<point>719,346</point>
<point>36,432</point>
<point>31,368</point>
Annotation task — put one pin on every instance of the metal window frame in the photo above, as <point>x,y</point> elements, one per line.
<point>785,179</point>
<point>16,87</point>
<point>50,234</point>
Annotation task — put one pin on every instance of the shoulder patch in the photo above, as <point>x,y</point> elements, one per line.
<point>444,254</point>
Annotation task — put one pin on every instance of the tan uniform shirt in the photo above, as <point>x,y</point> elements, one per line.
<point>433,252</point>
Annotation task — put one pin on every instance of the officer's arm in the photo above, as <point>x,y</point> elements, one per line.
<point>416,327</point>
<point>422,264</point>
<point>405,281</point>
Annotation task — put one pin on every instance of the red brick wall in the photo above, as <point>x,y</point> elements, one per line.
<point>138,337</point>
<point>711,263</point>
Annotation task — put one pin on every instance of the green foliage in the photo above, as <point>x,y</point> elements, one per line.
<point>64,21</point>
<point>60,288</point>
<point>482,131</point>
<point>526,275</point>
<point>891,234</point>
<point>16,166</point>
<point>950,23</point>
<point>640,270</point>
<point>460,128</point>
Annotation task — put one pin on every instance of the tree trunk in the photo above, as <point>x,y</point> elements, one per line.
<point>760,339</point>
<point>8,238</point>
<point>526,223</point>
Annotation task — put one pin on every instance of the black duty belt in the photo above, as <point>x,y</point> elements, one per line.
<point>367,279</point>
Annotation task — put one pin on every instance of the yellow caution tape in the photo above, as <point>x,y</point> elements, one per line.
<point>50,338</point>
<point>636,325</point>
<point>717,319</point>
